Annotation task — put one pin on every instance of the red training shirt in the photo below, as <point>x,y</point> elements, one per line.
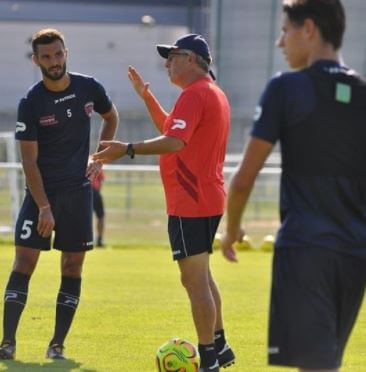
<point>193,177</point>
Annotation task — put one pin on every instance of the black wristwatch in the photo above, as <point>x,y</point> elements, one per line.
<point>130,151</point>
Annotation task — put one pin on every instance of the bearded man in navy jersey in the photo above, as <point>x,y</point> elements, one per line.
<point>318,115</point>
<point>53,130</point>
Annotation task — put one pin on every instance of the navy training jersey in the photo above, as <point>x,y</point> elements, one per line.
<point>319,117</point>
<point>60,123</point>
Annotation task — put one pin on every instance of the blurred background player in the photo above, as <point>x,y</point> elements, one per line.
<point>53,130</point>
<point>98,207</point>
<point>318,114</point>
<point>192,146</point>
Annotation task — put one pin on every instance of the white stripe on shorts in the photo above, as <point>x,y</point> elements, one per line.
<point>182,233</point>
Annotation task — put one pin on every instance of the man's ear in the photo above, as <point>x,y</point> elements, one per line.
<point>310,28</point>
<point>35,60</point>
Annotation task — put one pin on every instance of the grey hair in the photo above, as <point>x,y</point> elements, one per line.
<point>201,62</point>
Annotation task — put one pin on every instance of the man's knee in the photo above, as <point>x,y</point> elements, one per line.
<point>25,260</point>
<point>195,281</point>
<point>72,265</point>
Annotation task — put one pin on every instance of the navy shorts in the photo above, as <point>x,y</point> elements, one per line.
<point>316,296</point>
<point>72,211</point>
<point>191,235</point>
<point>98,205</point>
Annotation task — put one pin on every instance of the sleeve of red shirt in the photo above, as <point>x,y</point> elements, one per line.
<point>185,117</point>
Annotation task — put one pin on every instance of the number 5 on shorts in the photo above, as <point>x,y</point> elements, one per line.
<point>26,229</point>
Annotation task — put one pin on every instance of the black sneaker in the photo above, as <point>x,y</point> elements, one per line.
<point>7,350</point>
<point>55,351</point>
<point>214,368</point>
<point>226,356</point>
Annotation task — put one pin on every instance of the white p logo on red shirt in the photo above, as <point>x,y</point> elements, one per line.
<point>179,124</point>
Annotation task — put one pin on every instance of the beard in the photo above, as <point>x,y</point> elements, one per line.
<point>54,73</point>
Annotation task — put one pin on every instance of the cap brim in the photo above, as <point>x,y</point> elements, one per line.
<point>164,50</point>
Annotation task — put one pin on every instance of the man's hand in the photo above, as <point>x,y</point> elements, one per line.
<point>46,222</point>
<point>113,150</point>
<point>138,83</point>
<point>227,247</point>
<point>93,169</point>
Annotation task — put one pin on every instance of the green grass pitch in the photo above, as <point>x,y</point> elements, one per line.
<point>132,302</point>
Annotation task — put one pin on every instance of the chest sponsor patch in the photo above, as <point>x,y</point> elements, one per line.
<point>48,120</point>
<point>89,107</point>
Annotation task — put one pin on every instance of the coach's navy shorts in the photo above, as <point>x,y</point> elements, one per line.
<point>72,211</point>
<point>98,206</point>
<point>316,296</point>
<point>191,235</point>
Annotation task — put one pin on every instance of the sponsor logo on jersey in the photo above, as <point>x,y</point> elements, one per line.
<point>48,120</point>
<point>89,108</point>
<point>20,127</point>
<point>66,98</point>
<point>87,244</point>
<point>179,124</point>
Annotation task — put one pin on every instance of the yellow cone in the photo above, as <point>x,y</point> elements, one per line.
<point>217,242</point>
<point>245,245</point>
<point>267,244</point>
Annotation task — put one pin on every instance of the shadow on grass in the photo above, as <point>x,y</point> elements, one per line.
<point>59,365</point>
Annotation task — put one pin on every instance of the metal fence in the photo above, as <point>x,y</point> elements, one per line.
<point>135,205</point>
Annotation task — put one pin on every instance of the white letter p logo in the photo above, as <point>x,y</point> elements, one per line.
<point>179,124</point>
<point>20,127</point>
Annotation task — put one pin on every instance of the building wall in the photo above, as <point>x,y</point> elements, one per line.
<point>245,32</point>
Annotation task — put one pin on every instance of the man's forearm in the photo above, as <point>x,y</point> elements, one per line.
<point>109,126</point>
<point>156,111</point>
<point>35,184</point>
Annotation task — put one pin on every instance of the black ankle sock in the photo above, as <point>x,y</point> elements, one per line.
<point>15,298</point>
<point>67,302</point>
<point>207,355</point>
<point>220,340</point>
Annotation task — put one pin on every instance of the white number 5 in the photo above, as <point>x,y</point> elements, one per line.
<point>69,113</point>
<point>26,229</point>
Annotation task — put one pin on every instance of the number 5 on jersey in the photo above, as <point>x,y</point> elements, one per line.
<point>26,229</point>
<point>69,113</point>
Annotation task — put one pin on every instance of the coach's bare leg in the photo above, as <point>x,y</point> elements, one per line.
<point>218,305</point>
<point>319,370</point>
<point>195,278</point>
<point>72,264</point>
<point>25,260</point>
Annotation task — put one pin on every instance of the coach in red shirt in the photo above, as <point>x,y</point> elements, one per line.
<point>192,146</point>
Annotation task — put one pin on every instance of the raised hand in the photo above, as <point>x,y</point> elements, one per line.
<point>138,83</point>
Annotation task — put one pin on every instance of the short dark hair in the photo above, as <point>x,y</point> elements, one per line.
<point>328,15</point>
<point>46,36</point>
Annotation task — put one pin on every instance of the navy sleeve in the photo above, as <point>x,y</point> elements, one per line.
<point>26,126</point>
<point>270,112</point>
<point>102,102</point>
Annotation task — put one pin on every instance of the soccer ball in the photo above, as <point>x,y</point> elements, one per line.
<point>177,355</point>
